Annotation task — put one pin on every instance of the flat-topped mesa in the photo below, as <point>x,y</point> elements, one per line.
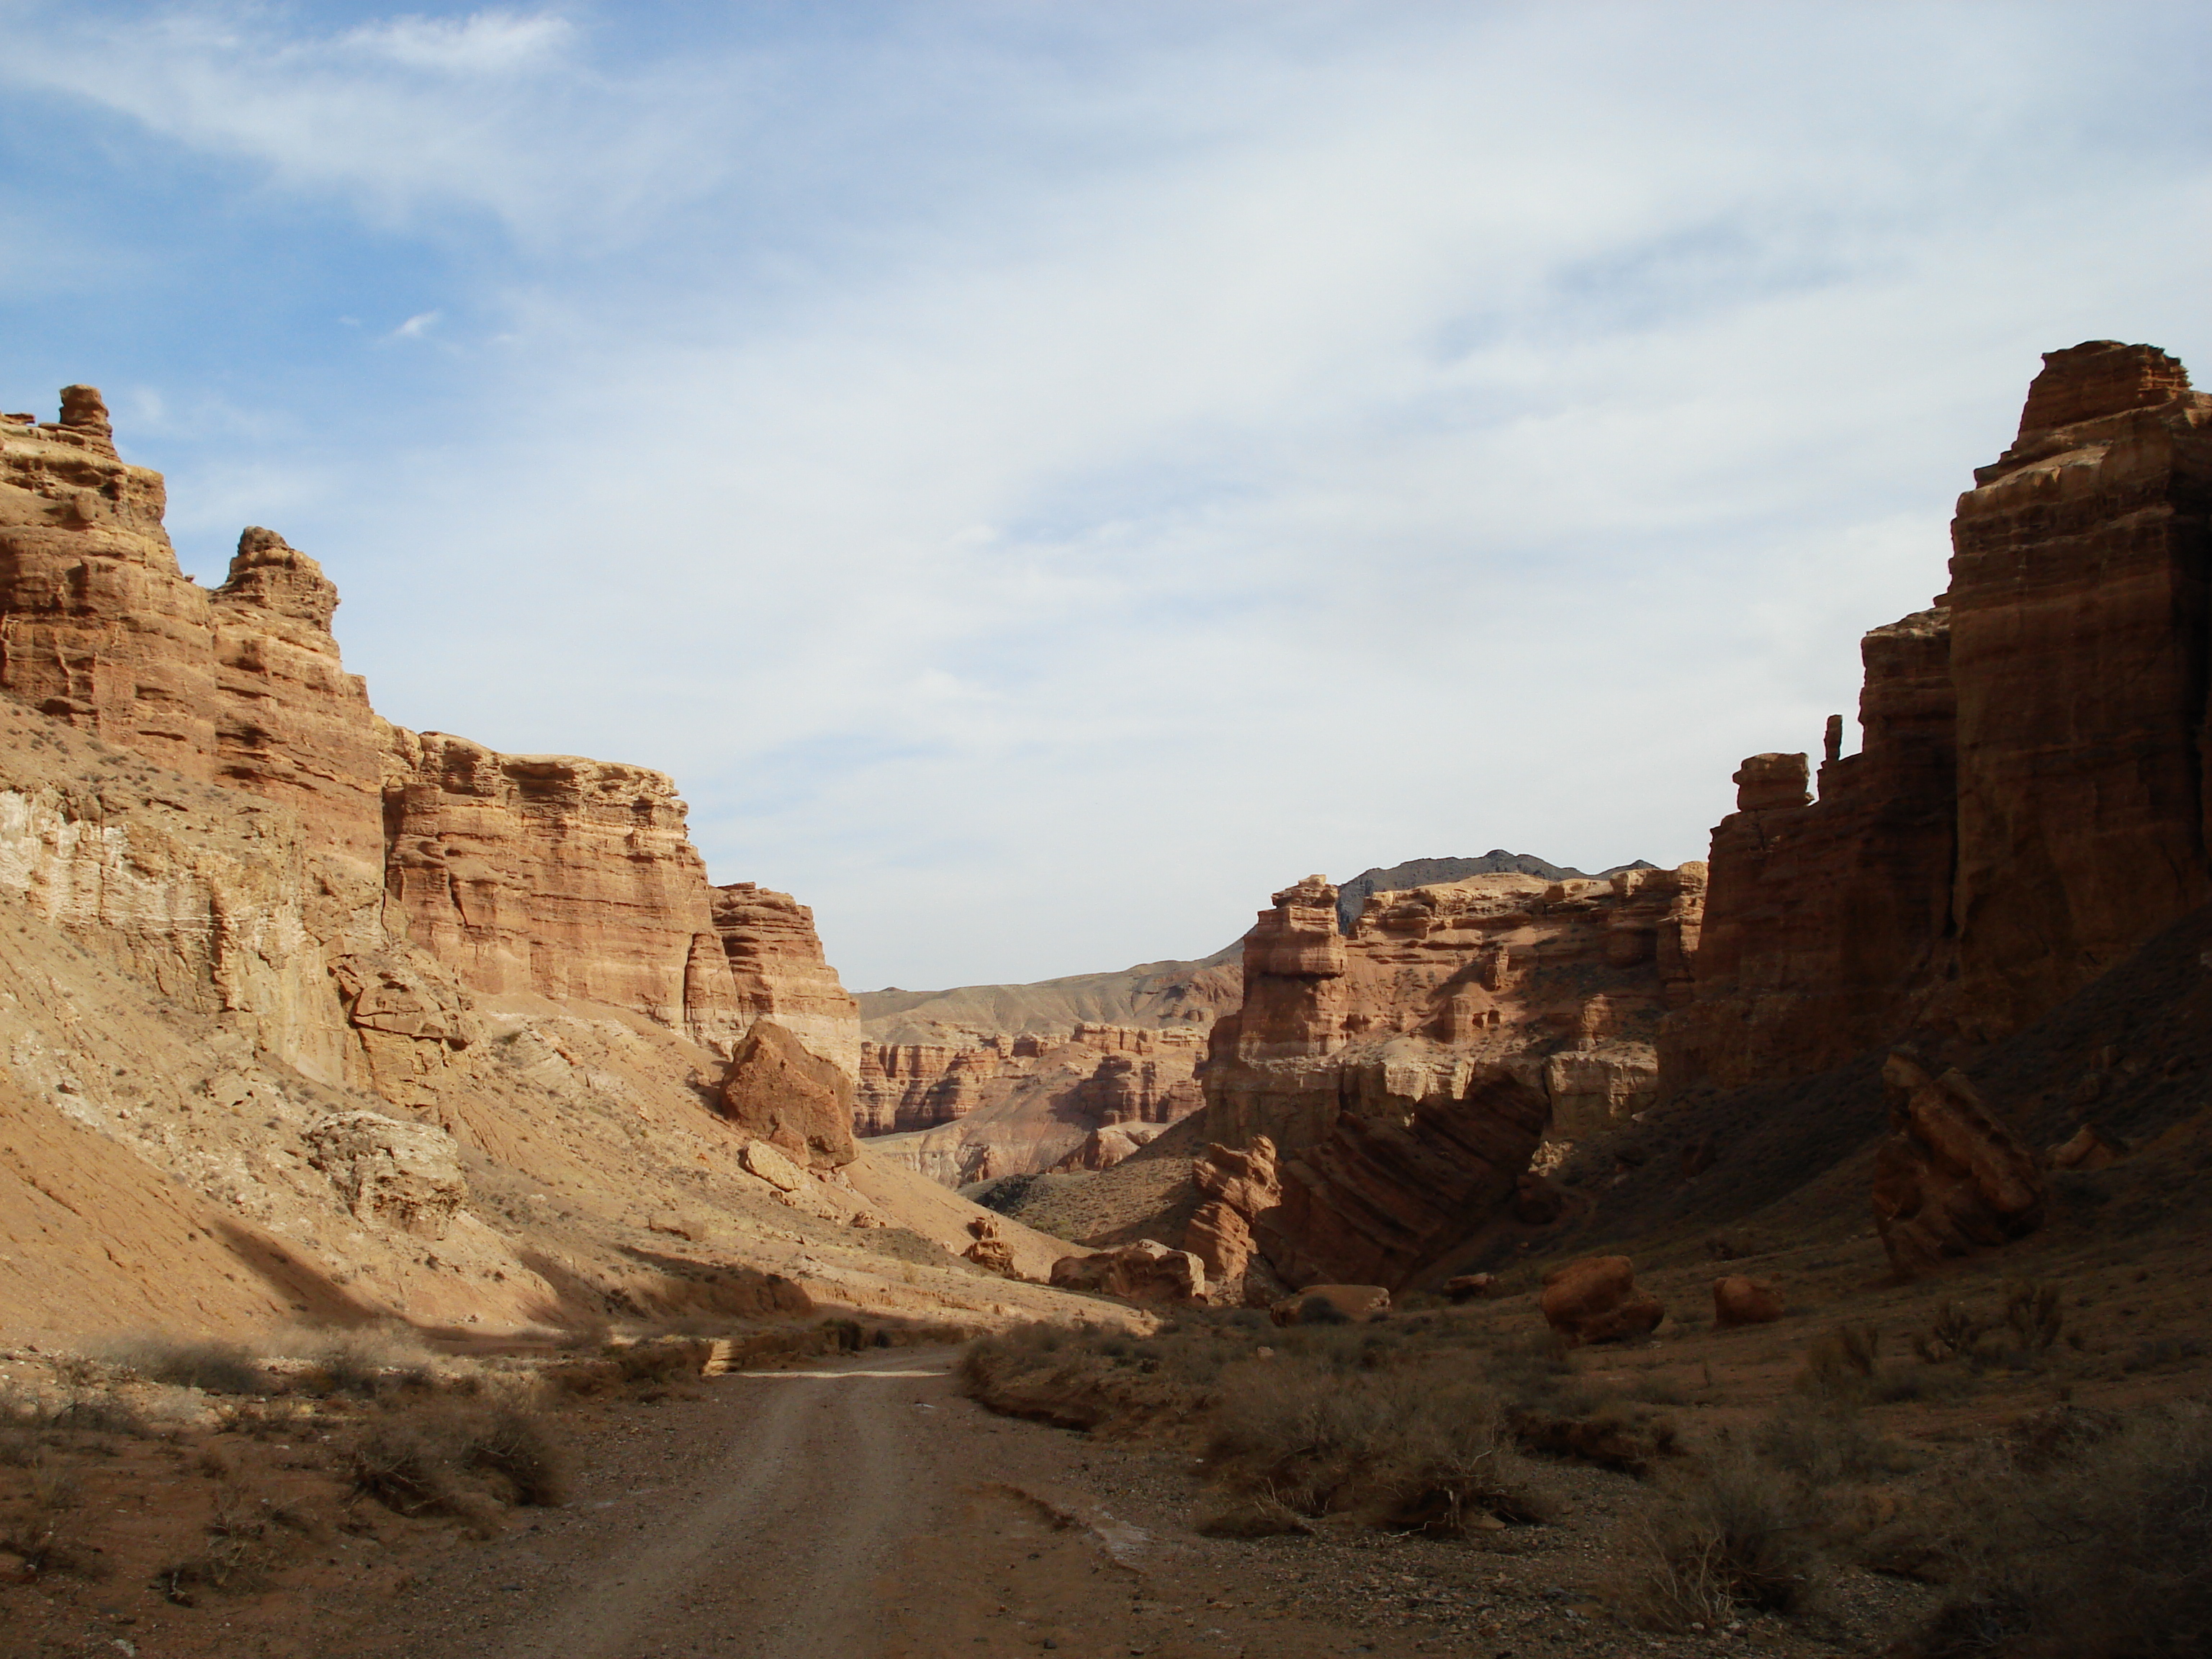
<point>2028,806</point>
<point>2088,382</point>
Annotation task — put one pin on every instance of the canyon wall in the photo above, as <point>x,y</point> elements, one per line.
<point>1380,1095</point>
<point>1020,1104</point>
<point>302,1014</point>
<point>2027,806</point>
<point>440,869</point>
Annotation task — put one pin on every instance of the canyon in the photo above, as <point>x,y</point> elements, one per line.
<point>1386,1081</point>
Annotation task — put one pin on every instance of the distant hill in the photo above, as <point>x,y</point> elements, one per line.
<point>1352,897</point>
<point>1150,994</point>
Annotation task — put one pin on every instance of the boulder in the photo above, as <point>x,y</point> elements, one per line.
<point>1950,1179</point>
<point>800,1103</point>
<point>2084,1150</point>
<point>990,1250</point>
<point>1594,1299</point>
<point>1145,1271</point>
<point>1741,1301</point>
<point>405,1175</point>
<point>1332,1304</point>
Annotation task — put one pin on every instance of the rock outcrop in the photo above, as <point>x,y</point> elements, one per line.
<point>1147,1270</point>
<point>2028,806</point>
<point>239,1084</point>
<point>1401,1076</point>
<point>436,867</point>
<point>1951,1179</point>
<point>1331,1305</point>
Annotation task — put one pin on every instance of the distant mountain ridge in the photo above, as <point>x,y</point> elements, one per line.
<point>1151,994</point>
<point>1352,897</point>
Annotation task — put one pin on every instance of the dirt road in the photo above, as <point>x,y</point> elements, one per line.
<point>867,1509</point>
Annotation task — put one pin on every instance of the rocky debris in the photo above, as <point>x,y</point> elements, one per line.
<point>798,1103</point>
<point>991,1250</point>
<point>765,1162</point>
<point>1147,1270</point>
<point>2024,810</point>
<point>1594,1299</point>
<point>1472,1287</point>
<point>405,1175</point>
<point>1331,1305</point>
<point>2084,1150</point>
<point>1741,1301</point>
<point>1951,1179</point>
<point>1404,1075</point>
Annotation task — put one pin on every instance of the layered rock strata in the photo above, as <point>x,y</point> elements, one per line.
<point>207,964</point>
<point>436,867</point>
<point>1019,1103</point>
<point>1379,1095</point>
<point>2027,806</point>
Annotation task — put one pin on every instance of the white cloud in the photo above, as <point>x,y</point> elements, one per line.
<point>1038,502</point>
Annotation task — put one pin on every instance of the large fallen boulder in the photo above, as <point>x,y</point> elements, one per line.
<point>1143,1272</point>
<point>406,1175</point>
<point>781,1090</point>
<point>1332,1304</point>
<point>1951,1179</point>
<point>1741,1301</point>
<point>1594,1299</point>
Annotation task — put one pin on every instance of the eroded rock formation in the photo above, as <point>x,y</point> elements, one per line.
<point>2027,806</point>
<point>1147,1270</point>
<point>436,867</point>
<point>1018,1103</point>
<point>1401,1076</point>
<point>1597,1299</point>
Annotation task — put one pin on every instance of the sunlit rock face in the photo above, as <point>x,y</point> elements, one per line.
<point>2027,807</point>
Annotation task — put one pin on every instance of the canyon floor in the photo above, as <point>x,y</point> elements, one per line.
<point>867,1505</point>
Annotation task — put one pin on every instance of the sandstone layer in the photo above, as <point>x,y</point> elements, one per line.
<point>2027,806</point>
<point>1378,1097</point>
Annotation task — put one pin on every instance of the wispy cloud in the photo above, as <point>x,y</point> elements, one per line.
<point>1042,479</point>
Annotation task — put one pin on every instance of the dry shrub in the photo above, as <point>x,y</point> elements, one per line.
<point>213,1367</point>
<point>369,1360</point>
<point>2088,1542</point>
<point>45,1544</point>
<point>1422,1450</point>
<point>445,1458</point>
<point>1736,1534</point>
<point>1752,1526</point>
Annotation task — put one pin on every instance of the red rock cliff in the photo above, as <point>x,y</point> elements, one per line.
<point>1401,1078</point>
<point>435,856</point>
<point>2028,806</point>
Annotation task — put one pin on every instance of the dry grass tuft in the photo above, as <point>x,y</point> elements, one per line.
<point>445,1458</point>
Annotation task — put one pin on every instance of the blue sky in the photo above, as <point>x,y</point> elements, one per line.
<point>1043,476</point>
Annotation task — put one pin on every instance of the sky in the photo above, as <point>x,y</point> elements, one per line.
<point>1043,476</point>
